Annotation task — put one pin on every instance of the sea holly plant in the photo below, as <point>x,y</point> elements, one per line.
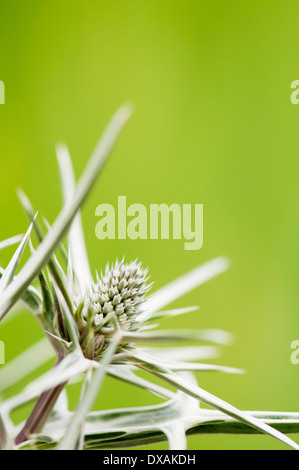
<point>105,324</point>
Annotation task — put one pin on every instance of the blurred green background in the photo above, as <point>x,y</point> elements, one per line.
<point>213,124</point>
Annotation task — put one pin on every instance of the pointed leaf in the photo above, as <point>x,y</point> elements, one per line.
<point>71,366</point>
<point>10,241</point>
<point>214,402</point>
<point>31,298</point>
<point>76,236</point>
<point>186,283</point>
<point>124,373</point>
<point>9,272</point>
<point>146,316</point>
<point>215,336</point>
<point>187,353</point>
<point>24,364</point>
<point>66,216</point>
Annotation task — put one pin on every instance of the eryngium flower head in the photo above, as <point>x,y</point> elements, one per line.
<point>115,299</point>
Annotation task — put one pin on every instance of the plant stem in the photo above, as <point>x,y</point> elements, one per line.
<point>40,413</point>
<point>3,435</point>
<point>217,423</point>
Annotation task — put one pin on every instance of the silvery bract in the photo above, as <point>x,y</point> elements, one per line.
<point>94,325</point>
